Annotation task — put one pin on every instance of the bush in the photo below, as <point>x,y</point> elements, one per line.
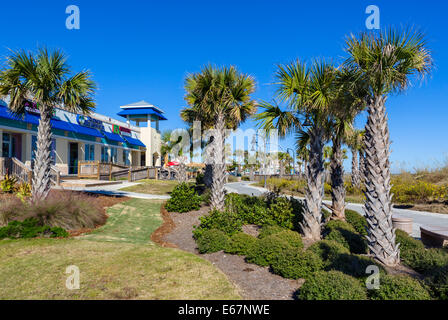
<point>68,210</point>
<point>418,192</point>
<point>212,241</point>
<point>399,288</point>
<point>407,242</point>
<point>265,250</point>
<point>8,184</point>
<point>293,238</point>
<point>183,199</point>
<point>241,244</point>
<point>328,250</point>
<point>439,283</point>
<point>251,210</point>
<point>295,264</point>
<point>425,260</point>
<point>268,230</point>
<point>332,285</point>
<point>30,228</point>
<point>357,221</point>
<point>353,265</point>
<point>281,212</point>
<point>228,222</point>
<point>346,235</point>
<point>23,191</point>
<point>245,178</point>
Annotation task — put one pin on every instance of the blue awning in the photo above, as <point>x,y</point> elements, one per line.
<point>112,136</point>
<point>140,112</point>
<point>55,123</point>
<point>134,141</point>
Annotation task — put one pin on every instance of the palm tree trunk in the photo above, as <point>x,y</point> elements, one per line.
<point>208,171</point>
<point>314,191</point>
<point>337,181</point>
<point>378,205</point>
<point>362,166</point>
<point>356,181</point>
<point>42,163</point>
<point>219,165</point>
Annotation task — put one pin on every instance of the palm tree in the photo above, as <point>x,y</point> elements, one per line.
<point>44,77</point>
<point>351,93</point>
<point>354,142</point>
<point>284,159</point>
<point>220,98</point>
<point>386,61</point>
<point>308,92</point>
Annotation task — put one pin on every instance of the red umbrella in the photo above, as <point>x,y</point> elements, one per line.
<point>173,163</point>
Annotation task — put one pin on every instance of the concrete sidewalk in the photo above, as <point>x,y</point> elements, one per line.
<point>113,190</point>
<point>420,218</point>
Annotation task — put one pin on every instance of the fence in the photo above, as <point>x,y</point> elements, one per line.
<point>111,171</point>
<point>259,177</point>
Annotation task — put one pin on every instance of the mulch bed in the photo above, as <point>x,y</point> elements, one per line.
<point>254,282</point>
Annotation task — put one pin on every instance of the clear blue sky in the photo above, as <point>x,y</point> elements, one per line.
<point>144,49</point>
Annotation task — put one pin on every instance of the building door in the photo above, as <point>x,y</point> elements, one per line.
<point>72,158</point>
<point>143,159</point>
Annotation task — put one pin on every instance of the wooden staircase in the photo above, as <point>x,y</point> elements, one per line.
<point>23,173</point>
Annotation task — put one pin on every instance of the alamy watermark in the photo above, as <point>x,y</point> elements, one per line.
<point>73,21</point>
<point>373,20</point>
<point>73,280</point>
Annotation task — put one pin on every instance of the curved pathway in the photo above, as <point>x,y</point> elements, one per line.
<point>420,218</point>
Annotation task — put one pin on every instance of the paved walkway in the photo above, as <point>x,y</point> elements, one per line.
<point>420,218</point>
<point>113,190</point>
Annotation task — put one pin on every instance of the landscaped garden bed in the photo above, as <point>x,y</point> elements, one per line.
<point>333,268</point>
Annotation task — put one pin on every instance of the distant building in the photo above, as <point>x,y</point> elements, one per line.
<point>86,138</point>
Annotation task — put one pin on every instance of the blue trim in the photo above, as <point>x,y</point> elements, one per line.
<point>112,136</point>
<point>134,141</point>
<point>140,112</point>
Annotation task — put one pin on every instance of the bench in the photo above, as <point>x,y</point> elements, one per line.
<point>434,236</point>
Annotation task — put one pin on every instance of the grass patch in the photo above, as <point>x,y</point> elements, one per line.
<point>151,186</point>
<point>116,261</point>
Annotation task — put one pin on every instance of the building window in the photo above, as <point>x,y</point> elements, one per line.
<point>126,160</point>
<point>6,145</point>
<point>104,154</point>
<point>34,149</point>
<point>89,152</point>
<point>113,155</point>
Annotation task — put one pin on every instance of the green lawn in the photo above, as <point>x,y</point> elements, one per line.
<point>151,186</point>
<point>117,261</point>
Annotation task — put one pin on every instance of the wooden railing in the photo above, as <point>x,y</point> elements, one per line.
<point>16,168</point>
<point>111,171</point>
<point>55,176</point>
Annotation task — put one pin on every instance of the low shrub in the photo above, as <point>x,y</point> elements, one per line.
<point>346,235</point>
<point>293,238</point>
<point>241,243</point>
<point>30,228</point>
<point>407,242</point>
<point>328,250</point>
<point>11,208</point>
<point>23,191</point>
<point>357,221</point>
<point>68,210</point>
<point>8,184</point>
<point>251,210</point>
<point>418,192</point>
<point>399,288</point>
<point>183,199</point>
<point>353,265</point>
<point>333,285</point>
<point>295,264</point>
<point>245,178</point>
<point>425,260</point>
<point>265,250</point>
<point>212,240</point>
<point>205,196</point>
<point>439,283</point>
<point>268,230</point>
<point>281,212</point>
<point>228,222</point>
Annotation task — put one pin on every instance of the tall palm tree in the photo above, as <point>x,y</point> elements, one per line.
<point>44,77</point>
<point>221,99</point>
<point>386,61</point>
<point>308,92</point>
<point>354,142</point>
<point>351,93</point>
